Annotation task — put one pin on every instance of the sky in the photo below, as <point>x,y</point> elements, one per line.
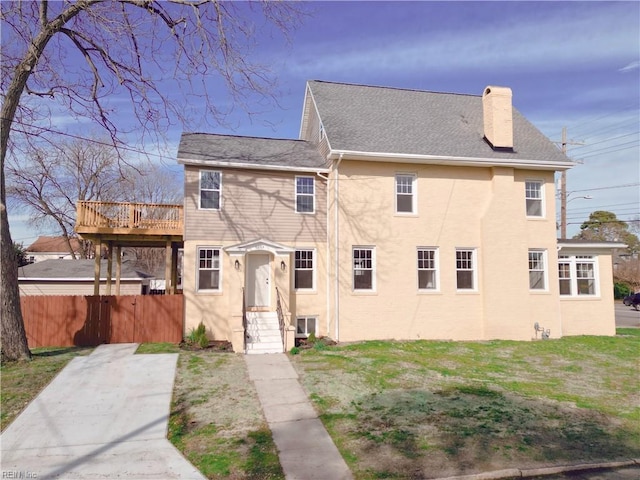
<point>569,64</point>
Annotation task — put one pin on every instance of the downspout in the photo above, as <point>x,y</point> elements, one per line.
<point>327,249</point>
<point>337,245</point>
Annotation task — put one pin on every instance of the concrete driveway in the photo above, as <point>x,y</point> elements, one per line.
<point>104,416</point>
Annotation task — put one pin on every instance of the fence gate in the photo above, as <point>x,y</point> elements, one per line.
<point>92,320</point>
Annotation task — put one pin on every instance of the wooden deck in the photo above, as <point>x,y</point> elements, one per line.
<point>119,218</point>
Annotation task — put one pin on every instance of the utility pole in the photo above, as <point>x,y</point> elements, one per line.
<point>563,186</point>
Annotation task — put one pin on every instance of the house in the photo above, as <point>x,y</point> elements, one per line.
<point>76,277</point>
<point>397,214</point>
<point>45,248</point>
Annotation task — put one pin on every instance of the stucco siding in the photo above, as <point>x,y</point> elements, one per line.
<point>254,204</point>
<point>481,209</point>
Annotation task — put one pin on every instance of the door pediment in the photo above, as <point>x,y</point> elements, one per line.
<point>260,245</point>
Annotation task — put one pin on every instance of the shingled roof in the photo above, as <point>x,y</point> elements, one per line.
<point>53,245</point>
<point>369,119</point>
<point>75,269</point>
<point>249,152</point>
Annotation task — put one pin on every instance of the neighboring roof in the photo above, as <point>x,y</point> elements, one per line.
<point>53,245</point>
<point>361,118</point>
<point>56,269</point>
<point>249,152</point>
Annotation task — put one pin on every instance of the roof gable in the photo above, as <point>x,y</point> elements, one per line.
<point>53,245</point>
<point>55,269</point>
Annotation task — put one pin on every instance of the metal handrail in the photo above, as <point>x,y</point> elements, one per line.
<point>280,317</point>
<point>244,320</point>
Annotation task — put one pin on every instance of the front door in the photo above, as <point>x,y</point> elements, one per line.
<point>258,289</point>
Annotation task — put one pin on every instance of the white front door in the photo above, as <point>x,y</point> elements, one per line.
<point>258,289</point>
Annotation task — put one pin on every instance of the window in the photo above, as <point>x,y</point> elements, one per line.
<point>303,277</point>
<point>363,268</point>
<point>210,187</point>
<point>405,193</point>
<point>534,198</point>
<point>305,195</point>
<point>465,269</point>
<point>577,275</point>
<point>537,263</point>
<point>427,269</point>
<point>305,326</point>
<point>208,269</point>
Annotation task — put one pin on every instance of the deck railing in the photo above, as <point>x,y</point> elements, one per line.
<point>95,216</point>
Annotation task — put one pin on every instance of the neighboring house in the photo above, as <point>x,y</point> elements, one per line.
<point>398,214</point>
<point>76,277</point>
<point>45,248</point>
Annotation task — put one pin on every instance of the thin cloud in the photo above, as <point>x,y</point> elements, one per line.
<point>630,67</point>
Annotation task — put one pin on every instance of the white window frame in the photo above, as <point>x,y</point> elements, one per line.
<point>365,268</point>
<point>435,268</point>
<point>413,193</point>
<point>313,269</point>
<point>473,269</point>
<point>540,262</point>
<point>531,198</point>
<point>574,260</point>
<point>306,319</point>
<point>212,268</point>
<point>305,194</point>
<point>201,189</point>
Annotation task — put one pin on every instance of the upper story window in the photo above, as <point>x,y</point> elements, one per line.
<point>577,275</point>
<point>210,189</point>
<point>303,277</point>
<point>427,268</point>
<point>465,269</point>
<point>208,269</point>
<point>305,194</point>
<point>363,268</point>
<point>406,193</point>
<point>534,198</point>
<point>537,270</point>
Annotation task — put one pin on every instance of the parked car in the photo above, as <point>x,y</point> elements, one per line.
<point>632,300</point>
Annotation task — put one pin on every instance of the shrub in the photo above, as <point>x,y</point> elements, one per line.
<point>621,290</point>
<point>295,351</point>
<point>198,336</point>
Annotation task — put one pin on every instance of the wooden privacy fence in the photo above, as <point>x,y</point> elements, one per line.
<point>65,321</point>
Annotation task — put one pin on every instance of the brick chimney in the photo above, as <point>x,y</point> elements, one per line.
<point>498,117</point>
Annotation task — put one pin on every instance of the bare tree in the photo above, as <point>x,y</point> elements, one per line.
<point>128,47</point>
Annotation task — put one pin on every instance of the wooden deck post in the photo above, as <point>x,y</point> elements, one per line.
<point>174,267</point>
<point>168,287</point>
<point>118,268</point>
<point>96,279</point>
<point>109,266</point>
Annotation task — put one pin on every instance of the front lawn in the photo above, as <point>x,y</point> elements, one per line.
<point>426,409</point>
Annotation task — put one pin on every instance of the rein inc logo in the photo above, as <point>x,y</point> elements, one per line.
<point>18,474</point>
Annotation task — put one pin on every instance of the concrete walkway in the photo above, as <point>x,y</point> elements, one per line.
<point>104,416</point>
<point>305,448</point>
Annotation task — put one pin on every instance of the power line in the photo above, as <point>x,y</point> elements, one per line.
<point>606,151</point>
<point>587,122</point>
<point>606,188</point>
<point>587,145</point>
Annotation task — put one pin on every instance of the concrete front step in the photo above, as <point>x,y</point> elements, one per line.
<point>264,347</point>
<point>263,333</point>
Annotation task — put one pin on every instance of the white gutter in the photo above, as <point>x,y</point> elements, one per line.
<point>455,161</point>
<point>337,249</point>
<point>590,245</point>
<point>252,166</point>
<point>73,279</point>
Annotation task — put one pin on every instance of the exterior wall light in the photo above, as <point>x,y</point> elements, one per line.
<point>237,264</point>
<point>283,266</point>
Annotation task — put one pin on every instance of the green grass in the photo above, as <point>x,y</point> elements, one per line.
<point>395,409</point>
<point>165,347</point>
<point>23,381</point>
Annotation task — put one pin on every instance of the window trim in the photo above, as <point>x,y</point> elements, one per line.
<point>373,269</point>
<point>542,198</point>
<point>312,195</point>
<point>436,269</point>
<point>474,269</point>
<point>573,260</point>
<point>197,265</point>
<point>545,269</point>
<point>200,189</point>
<point>313,270</point>
<point>414,193</point>
<point>306,318</point>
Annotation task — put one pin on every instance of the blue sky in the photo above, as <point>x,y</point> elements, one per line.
<point>569,64</point>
